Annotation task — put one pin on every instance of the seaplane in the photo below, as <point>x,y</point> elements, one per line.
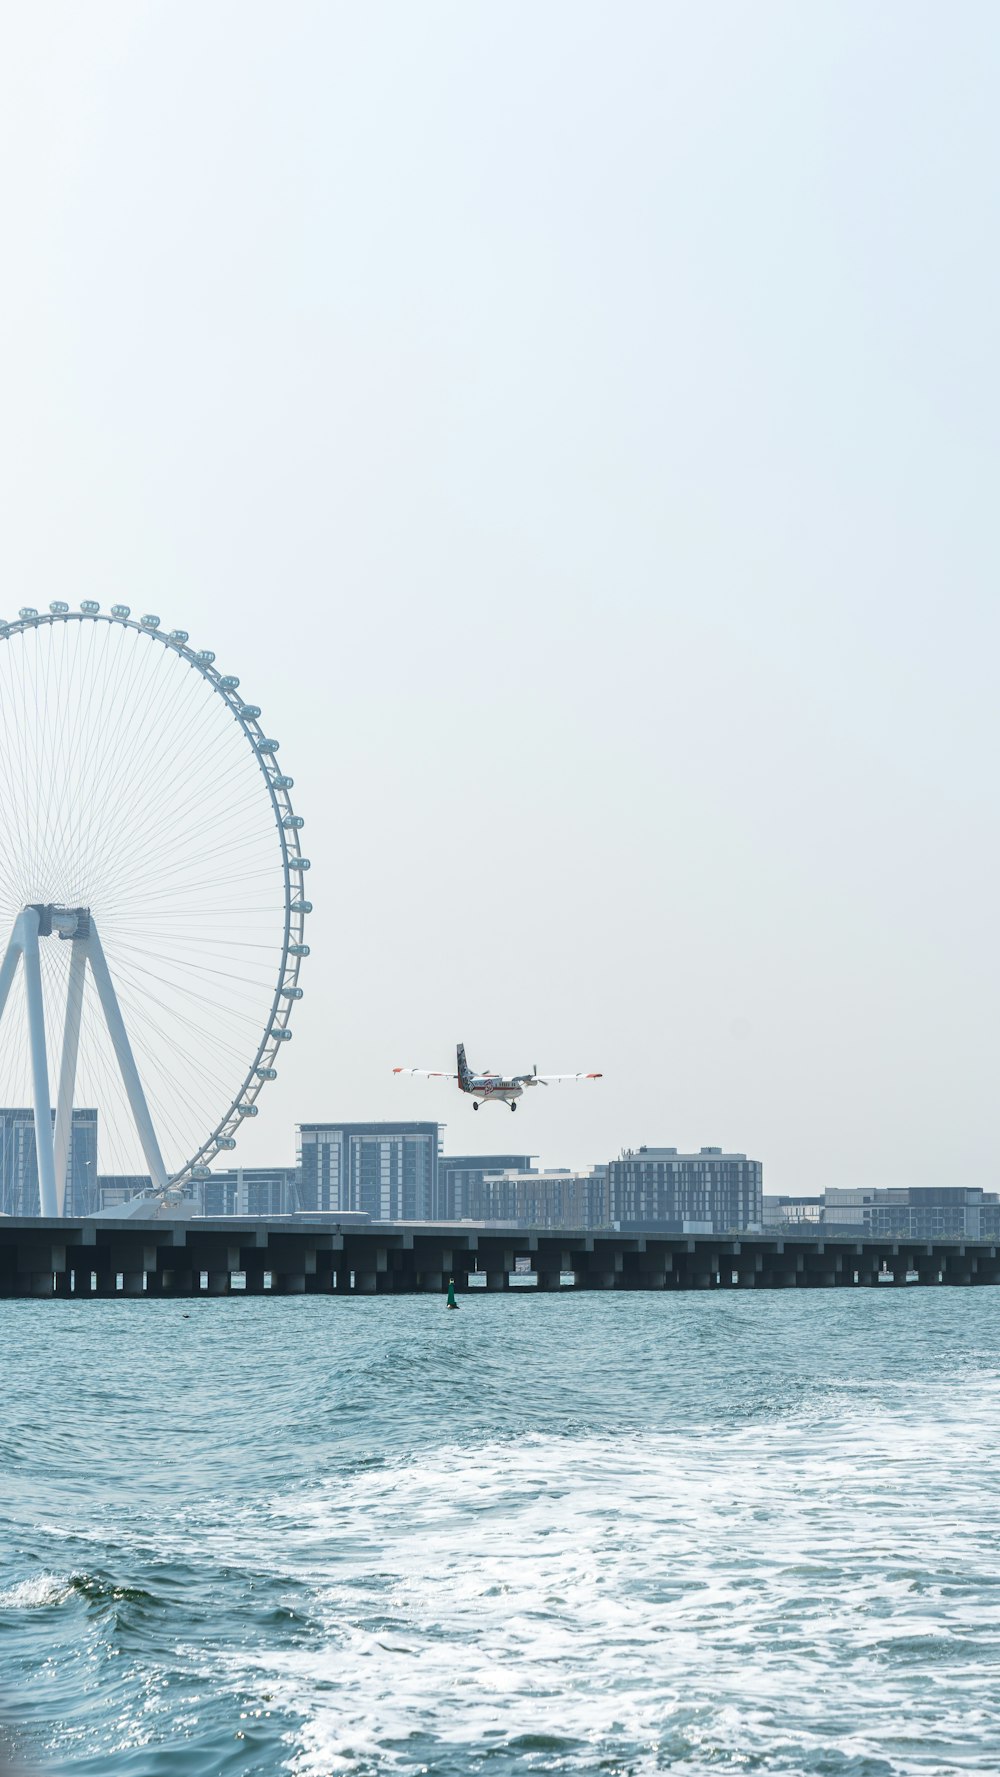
<point>490,1088</point>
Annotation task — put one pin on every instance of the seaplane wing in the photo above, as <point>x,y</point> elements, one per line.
<point>427,1073</point>
<point>552,1079</point>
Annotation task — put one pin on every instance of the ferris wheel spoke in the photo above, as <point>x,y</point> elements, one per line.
<point>144,998</point>
<point>182,817</point>
<point>15,749</point>
<point>149,698</point>
<point>200,856</point>
<point>49,768</point>
<point>128,686</point>
<point>186,827</point>
<point>147,998</point>
<point>236,989</point>
<point>176,959</point>
<point>191,845</point>
<point>206,1085</point>
<point>134,744</point>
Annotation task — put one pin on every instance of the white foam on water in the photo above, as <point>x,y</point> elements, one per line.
<point>36,1593</point>
<point>797,1597</point>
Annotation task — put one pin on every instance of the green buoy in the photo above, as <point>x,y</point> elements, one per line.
<point>451,1302</point>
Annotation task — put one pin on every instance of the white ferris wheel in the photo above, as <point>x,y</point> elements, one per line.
<point>151,895</point>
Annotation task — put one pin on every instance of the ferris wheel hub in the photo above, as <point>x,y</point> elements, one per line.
<point>66,922</point>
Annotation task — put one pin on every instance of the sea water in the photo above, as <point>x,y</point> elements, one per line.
<point>637,1533</point>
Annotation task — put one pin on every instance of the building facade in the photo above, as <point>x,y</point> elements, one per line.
<point>710,1192</point>
<point>19,1163</point>
<point>916,1212</point>
<point>460,1182</point>
<point>388,1170</point>
<point>541,1199</point>
<point>792,1212</point>
<point>115,1188</point>
<point>249,1191</point>
<point>243,1190</point>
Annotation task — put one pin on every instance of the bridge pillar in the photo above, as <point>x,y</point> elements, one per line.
<point>178,1281</point>
<point>36,1283</point>
<point>38,1260</point>
<point>645,1268</point>
<point>290,1283</point>
<point>660,1265</point>
<point>741,1270</point>
<point>128,1256</point>
<point>605,1277</point>
<point>959,1268</point>
<point>602,1268</point>
<point>701,1271</point>
<point>818,1269</point>
<point>549,1263</point>
<point>782,1272</point>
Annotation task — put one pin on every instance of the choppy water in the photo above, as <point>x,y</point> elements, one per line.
<point>608,1533</point>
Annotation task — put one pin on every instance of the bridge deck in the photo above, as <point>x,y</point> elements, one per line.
<point>250,1256</point>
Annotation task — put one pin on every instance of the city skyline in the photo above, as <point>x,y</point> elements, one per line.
<point>397,1172</point>
<point>337,1161</point>
<point>630,643</point>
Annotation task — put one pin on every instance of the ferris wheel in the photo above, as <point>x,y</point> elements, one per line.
<point>151,896</point>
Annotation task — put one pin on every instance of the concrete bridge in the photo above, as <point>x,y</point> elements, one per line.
<point>102,1257</point>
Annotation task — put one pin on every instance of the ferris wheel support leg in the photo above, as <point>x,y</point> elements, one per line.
<point>8,968</point>
<point>47,1202</point>
<point>126,1062</point>
<point>67,1067</point>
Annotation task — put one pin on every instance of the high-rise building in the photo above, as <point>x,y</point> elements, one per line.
<point>460,1182</point>
<point>19,1163</point>
<point>705,1193</point>
<point>389,1170</point>
<point>81,1171</point>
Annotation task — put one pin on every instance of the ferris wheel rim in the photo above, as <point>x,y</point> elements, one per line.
<point>293,947</point>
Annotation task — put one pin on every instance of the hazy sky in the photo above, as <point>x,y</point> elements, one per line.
<point>577,425</point>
